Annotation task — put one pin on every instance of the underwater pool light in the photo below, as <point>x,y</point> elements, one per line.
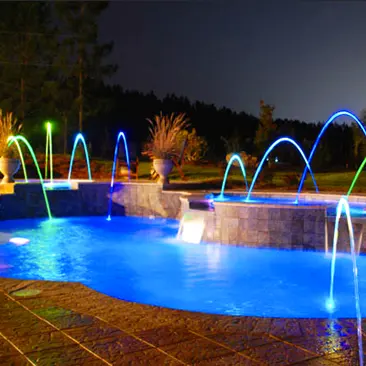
<point>330,305</point>
<point>19,241</point>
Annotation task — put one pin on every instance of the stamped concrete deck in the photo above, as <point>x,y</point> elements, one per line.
<point>55,323</point>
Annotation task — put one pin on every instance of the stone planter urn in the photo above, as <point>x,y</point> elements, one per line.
<point>9,167</point>
<point>163,167</point>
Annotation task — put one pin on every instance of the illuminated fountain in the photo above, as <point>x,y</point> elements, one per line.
<point>279,220</point>
<point>48,180</point>
<point>15,139</point>
<point>255,219</point>
<point>48,152</point>
<point>267,220</point>
<point>331,304</point>
<point>116,149</point>
<point>61,184</point>
<point>308,160</point>
<point>326,125</point>
<point>79,138</point>
<point>237,158</point>
<point>355,178</point>
<point>268,151</point>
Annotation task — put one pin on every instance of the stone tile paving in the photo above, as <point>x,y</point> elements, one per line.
<point>56,323</point>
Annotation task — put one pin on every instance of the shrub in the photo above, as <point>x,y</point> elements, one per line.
<point>291,180</point>
<point>164,131</point>
<point>8,126</point>
<point>196,146</point>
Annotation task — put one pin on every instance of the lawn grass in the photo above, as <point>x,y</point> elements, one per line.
<point>328,181</point>
<point>211,174</point>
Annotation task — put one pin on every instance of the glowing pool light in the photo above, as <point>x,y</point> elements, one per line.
<point>19,241</point>
<point>330,305</point>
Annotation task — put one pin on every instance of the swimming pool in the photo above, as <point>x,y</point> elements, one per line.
<point>140,260</point>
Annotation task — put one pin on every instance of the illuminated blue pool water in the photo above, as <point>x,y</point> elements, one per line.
<point>139,259</point>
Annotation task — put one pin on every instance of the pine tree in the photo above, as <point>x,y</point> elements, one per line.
<point>26,56</point>
<point>82,51</point>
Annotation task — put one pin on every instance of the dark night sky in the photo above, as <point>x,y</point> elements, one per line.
<point>308,58</point>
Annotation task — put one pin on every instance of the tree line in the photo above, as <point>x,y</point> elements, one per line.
<point>224,129</point>
<point>52,67</point>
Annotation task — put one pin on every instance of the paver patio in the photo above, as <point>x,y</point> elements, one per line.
<point>59,323</point>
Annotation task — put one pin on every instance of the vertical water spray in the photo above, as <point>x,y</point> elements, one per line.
<point>235,157</point>
<point>268,151</point>
<point>48,151</point>
<point>329,121</point>
<point>343,204</point>
<point>120,135</point>
<point>13,139</point>
<point>79,137</point>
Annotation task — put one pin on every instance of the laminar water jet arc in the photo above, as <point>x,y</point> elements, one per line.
<point>268,151</point>
<point>79,138</point>
<point>11,140</point>
<point>120,135</point>
<point>331,119</point>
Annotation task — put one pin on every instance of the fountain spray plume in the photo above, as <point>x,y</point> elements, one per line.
<point>13,139</point>
<point>79,138</point>
<point>120,135</point>
<point>49,151</point>
<point>343,205</point>
<point>268,151</point>
<point>316,143</point>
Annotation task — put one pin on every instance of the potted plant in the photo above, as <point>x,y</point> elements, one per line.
<point>9,164</point>
<point>163,145</point>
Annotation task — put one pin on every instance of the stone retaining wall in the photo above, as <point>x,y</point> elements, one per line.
<point>133,199</point>
<point>258,225</point>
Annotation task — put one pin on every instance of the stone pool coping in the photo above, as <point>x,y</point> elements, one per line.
<point>68,323</point>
